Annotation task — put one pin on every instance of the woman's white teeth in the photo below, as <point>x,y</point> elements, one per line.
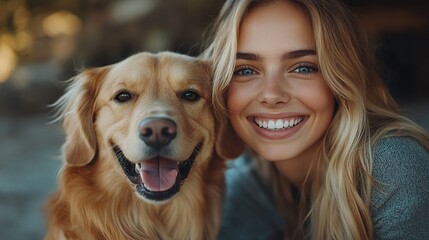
<point>278,124</point>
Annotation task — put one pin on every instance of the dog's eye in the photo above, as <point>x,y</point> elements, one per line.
<point>123,96</point>
<point>190,96</point>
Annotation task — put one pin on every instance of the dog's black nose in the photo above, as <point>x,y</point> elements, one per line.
<point>157,132</point>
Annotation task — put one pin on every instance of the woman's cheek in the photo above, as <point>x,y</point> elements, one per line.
<point>234,98</point>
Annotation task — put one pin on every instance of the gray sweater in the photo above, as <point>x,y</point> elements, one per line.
<point>400,200</point>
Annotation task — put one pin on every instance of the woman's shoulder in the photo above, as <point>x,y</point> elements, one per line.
<point>400,197</point>
<point>401,161</point>
<point>400,153</point>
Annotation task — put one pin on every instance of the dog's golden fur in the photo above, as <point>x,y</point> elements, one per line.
<point>95,199</point>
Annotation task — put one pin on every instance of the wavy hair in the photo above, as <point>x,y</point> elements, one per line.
<point>365,112</point>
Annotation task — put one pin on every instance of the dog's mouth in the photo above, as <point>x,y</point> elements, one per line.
<point>159,178</point>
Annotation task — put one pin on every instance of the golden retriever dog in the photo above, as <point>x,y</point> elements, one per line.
<point>144,157</point>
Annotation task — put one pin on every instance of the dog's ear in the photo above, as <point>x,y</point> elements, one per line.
<point>76,107</point>
<point>228,144</point>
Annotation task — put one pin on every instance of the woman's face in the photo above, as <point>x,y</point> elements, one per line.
<point>278,101</point>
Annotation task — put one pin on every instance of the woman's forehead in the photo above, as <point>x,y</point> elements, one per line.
<point>278,26</point>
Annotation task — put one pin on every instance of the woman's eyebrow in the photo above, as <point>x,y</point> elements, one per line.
<point>298,54</point>
<point>287,56</point>
<point>248,56</point>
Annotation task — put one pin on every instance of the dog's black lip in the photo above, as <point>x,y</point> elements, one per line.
<point>129,169</point>
<point>127,165</point>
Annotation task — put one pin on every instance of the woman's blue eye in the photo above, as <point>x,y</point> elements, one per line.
<point>245,71</point>
<point>305,69</point>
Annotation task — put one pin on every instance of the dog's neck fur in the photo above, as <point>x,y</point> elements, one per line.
<point>133,218</point>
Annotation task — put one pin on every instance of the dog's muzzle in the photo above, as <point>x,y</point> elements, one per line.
<point>150,176</point>
<point>158,178</point>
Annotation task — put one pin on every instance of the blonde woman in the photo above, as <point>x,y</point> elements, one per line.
<point>329,155</point>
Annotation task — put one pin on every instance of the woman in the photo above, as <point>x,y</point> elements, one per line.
<point>329,155</point>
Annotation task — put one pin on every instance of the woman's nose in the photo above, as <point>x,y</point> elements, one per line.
<point>273,91</point>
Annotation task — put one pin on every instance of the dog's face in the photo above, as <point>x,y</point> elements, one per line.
<point>152,113</point>
<point>155,114</point>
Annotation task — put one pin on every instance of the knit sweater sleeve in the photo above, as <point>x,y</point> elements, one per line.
<point>400,200</point>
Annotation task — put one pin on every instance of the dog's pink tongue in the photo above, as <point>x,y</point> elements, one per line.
<point>158,174</point>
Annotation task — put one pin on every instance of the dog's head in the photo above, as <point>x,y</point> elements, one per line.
<point>148,118</point>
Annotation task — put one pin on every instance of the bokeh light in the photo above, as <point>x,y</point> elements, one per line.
<point>62,23</point>
<point>21,18</point>
<point>8,60</point>
<point>23,41</point>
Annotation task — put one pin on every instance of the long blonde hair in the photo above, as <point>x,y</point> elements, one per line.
<point>365,112</point>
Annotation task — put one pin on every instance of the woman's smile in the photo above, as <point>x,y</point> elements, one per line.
<point>278,124</point>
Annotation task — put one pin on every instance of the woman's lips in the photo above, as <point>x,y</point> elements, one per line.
<point>277,128</point>
<point>278,124</point>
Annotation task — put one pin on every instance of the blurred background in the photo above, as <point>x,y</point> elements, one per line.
<point>45,42</point>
